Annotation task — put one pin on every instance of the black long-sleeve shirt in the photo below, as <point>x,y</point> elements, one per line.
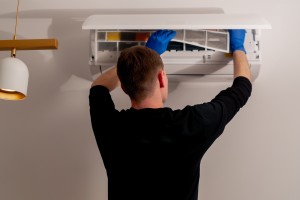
<point>156,153</point>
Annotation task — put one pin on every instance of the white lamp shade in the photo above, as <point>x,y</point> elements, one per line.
<point>13,79</point>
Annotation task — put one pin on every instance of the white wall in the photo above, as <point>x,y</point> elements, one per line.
<point>47,147</point>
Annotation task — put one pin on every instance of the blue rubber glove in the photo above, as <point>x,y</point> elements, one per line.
<point>237,39</point>
<point>160,39</point>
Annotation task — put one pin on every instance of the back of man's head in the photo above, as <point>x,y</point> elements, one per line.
<point>137,69</point>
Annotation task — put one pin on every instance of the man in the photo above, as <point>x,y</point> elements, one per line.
<point>151,152</point>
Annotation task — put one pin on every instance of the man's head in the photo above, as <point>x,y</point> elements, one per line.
<point>139,69</point>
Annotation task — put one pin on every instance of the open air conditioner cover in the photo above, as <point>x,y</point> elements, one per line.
<point>200,48</point>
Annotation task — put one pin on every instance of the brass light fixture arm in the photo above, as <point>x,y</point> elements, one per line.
<point>26,44</point>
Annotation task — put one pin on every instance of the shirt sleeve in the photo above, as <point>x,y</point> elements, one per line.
<point>101,105</point>
<point>234,97</point>
<point>100,99</point>
<point>217,113</point>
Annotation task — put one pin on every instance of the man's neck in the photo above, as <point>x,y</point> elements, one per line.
<point>147,103</point>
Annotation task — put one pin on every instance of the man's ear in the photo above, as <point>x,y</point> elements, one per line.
<point>161,78</point>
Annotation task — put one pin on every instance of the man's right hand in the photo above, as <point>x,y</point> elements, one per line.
<point>237,39</point>
<point>240,60</point>
<point>159,40</point>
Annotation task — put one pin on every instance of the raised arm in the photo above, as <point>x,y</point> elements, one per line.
<point>108,79</point>
<point>236,96</point>
<point>240,61</point>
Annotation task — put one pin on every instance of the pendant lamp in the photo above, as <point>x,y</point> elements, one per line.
<point>14,74</point>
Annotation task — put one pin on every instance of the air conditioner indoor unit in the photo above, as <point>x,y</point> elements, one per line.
<point>200,50</point>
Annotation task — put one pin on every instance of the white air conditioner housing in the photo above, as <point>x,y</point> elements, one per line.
<point>200,50</point>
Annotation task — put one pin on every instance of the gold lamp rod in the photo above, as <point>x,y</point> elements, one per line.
<point>14,51</point>
<point>17,18</point>
<point>28,44</point>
